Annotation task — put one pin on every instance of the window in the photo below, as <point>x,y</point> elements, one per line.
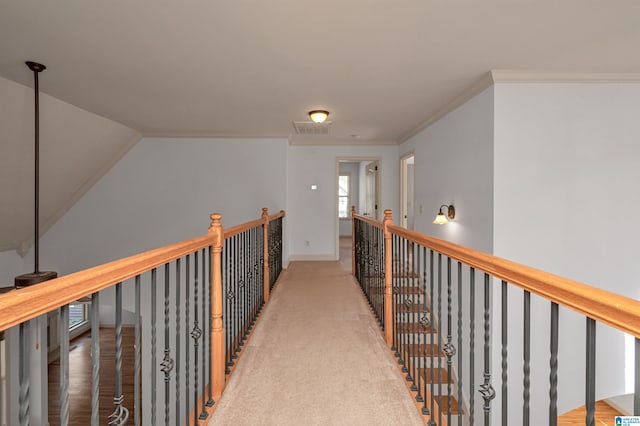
<point>344,182</point>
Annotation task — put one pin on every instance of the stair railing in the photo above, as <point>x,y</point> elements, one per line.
<point>204,287</point>
<point>444,302</point>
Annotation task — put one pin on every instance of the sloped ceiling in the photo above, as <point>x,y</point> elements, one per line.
<point>249,68</point>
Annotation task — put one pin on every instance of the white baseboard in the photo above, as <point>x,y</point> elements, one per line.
<point>313,257</point>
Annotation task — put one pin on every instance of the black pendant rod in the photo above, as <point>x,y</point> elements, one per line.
<point>37,276</point>
<point>36,68</point>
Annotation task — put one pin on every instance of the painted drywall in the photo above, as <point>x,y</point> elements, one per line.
<point>162,192</point>
<point>312,214</point>
<point>11,265</point>
<point>353,170</point>
<point>454,165</point>
<point>566,196</point>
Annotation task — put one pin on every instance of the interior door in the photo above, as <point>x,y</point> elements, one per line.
<point>371,194</point>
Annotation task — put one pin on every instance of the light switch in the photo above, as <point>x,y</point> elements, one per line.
<point>314,187</point>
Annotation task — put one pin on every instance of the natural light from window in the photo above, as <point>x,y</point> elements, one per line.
<point>343,196</point>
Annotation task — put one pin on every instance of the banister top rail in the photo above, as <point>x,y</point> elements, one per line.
<point>617,311</point>
<point>278,215</point>
<point>370,220</point>
<point>30,302</point>
<point>239,229</point>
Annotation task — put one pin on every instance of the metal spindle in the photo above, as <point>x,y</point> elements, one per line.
<point>196,333</point>
<point>210,401</point>
<point>486,390</point>
<point>205,302</point>
<point>95,359</point>
<point>526,381</point>
<point>177,366</point>
<point>23,373</point>
<point>120,413</point>
<point>636,394</point>
<point>460,383</point>
<point>187,343</point>
<point>427,325</point>
<point>166,366</point>
<point>590,384</point>
<point>154,340</point>
<point>472,348</point>
<point>137,356</point>
<point>504,352</point>
<point>64,364</point>
<point>431,336</point>
<point>439,375</point>
<point>449,348</point>
<point>553,364</point>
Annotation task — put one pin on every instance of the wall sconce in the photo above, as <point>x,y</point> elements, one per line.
<point>318,116</point>
<point>441,219</point>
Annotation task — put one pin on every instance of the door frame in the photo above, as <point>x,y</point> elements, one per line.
<point>404,188</point>
<point>337,174</point>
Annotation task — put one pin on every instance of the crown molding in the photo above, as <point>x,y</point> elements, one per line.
<point>520,76</point>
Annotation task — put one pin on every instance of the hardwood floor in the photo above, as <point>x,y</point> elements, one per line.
<point>605,415</point>
<point>80,378</point>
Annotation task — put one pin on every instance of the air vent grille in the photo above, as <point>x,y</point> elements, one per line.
<point>311,128</point>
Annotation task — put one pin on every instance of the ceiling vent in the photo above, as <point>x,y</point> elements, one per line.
<point>309,128</point>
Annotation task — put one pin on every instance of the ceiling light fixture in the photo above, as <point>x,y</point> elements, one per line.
<point>441,219</point>
<point>318,115</point>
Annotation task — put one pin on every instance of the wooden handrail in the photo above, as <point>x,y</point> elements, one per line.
<point>30,302</point>
<point>617,311</point>
<point>239,229</point>
<point>278,215</point>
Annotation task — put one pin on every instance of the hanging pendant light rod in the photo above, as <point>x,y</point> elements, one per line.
<point>36,276</point>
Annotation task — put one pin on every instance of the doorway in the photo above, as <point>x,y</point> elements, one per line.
<point>357,184</point>
<point>407,191</point>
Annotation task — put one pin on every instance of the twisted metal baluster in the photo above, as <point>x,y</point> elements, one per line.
<point>196,333</point>
<point>431,336</point>
<point>440,343</point>
<point>177,374</point>
<point>120,414</point>
<point>486,390</point>
<point>23,373</point>
<point>64,364</point>
<point>504,352</point>
<point>553,364</point>
<point>95,359</point>
<point>138,357</point>
<point>166,366</point>
<point>425,327</point>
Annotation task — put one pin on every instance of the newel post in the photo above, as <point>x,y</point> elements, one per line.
<point>217,329</point>
<point>353,240</point>
<point>265,232</point>
<point>388,279</point>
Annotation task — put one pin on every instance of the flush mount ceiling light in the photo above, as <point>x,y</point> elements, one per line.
<point>441,219</point>
<point>318,115</point>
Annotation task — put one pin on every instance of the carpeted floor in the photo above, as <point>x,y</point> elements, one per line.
<point>316,357</point>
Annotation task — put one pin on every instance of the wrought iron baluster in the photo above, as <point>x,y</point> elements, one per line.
<point>406,325</point>
<point>472,334</point>
<point>63,330</point>
<point>486,390</point>
<point>23,373</point>
<point>636,393</point>
<point>426,324</point>
<point>177,365</point>
<point>237,299</point>
<point>590,384</point>
<point>553,364</point>
<point>137,352</point>
<point>460,375</point>
<point>526,393</point>
<point>167,364</point>
<point>196,333</point>
<point>432,339</point>
<point>504,353</point>
<point>187,343</point>
<point>449,349</point>
<point>205,302</point>
<point>154,340</point>
<point>120,413</point>
<point>95,359</point>
<point>210,401</point>
<point>394,307</point>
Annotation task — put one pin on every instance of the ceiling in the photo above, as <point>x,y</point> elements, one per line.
<point>250,68</point>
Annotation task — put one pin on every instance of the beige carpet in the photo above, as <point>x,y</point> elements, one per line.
<point>316,357</point>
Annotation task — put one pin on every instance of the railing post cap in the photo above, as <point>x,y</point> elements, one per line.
<point>265,212</point>
<point>215,217</point>
<point>388,214</point>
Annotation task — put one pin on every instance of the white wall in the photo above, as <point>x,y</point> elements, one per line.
<point>454,165</point>
<point>312,214</point>
<point>163,192</point>
<point>566,201</point>
<point>11,265</point>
